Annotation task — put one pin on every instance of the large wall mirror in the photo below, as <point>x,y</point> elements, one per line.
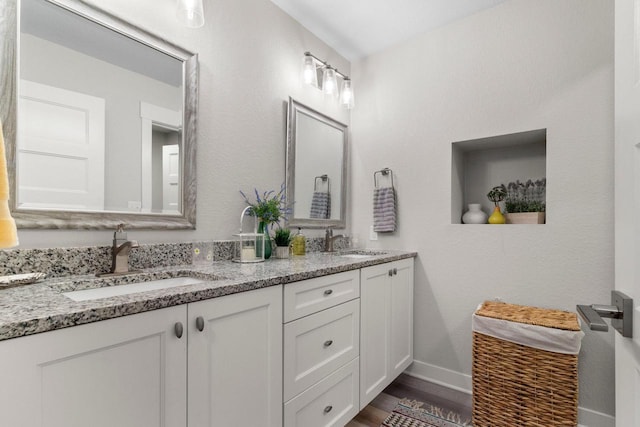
<point>316,168</point>
<point>99,119</point>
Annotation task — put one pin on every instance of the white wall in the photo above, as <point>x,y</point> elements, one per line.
<point>250,55</point>
<point>520,66</point>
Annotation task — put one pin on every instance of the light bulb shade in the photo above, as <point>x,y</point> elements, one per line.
<point>191,13</point>
<point>346,94</point>
<point>309,72</point>
<point>330,82</point>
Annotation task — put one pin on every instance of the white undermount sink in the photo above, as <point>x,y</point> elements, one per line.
<point>356,255</point>
<point>361,253</point>
<point>132,288</point>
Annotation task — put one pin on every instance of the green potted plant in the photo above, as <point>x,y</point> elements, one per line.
<point>525,202</point>
<point>496,195</point>
<point>282,238</point>
<point>269,208</point>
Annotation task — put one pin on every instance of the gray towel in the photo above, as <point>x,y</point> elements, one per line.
<point>321,205</point>
<point>384,209</point>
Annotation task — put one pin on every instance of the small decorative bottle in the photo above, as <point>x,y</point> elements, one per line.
<point>475,215</point>
<point>298,244</point>
<point>496,217</point>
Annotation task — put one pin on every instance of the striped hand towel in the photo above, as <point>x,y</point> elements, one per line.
<point>321,205</point>
<point>384,209</point>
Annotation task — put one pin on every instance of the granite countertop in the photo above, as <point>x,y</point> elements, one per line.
<point>42,307</point>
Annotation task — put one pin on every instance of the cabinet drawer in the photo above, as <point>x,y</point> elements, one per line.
<point>331,402</point>
<point>309,296</point>
<point>317,345</point>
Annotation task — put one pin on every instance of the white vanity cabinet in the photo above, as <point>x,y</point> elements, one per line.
<point>132,371</point>
<point>125,372</point>
<point>321,349</point>
<point>386,328</point>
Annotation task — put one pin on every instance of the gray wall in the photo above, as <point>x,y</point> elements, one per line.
<point>519,66</point>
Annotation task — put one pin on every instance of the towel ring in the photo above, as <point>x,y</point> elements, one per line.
<point>383,172</point>
<point>324,178</point>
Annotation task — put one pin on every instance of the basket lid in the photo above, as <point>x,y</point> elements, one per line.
<point>549,318</point>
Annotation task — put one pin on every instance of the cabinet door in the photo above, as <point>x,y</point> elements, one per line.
<point>401,347</point>
<point>386,325</point>
<point>375,328</point>
<point>235,361</point>
<point>125,372</point>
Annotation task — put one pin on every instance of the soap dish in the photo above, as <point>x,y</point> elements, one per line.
<point>20,279</point>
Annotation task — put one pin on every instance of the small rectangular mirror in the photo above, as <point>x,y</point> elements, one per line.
<point>316,168</point>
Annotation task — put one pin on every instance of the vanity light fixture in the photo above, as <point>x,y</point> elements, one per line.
<point>191,13</point>
<point>311,65</point>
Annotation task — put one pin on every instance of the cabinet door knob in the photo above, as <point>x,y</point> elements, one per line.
<point>200,323</point>
<point>390,272</point>
<point>178,329</point>
<point>328,343</point>
<point>328,409</point>
<point>328,292</point>
<point>395,271</point>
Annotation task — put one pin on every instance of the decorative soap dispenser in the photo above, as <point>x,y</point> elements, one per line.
<point>298,244</point>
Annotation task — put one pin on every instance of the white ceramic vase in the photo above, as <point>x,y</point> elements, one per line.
<point>474,215</point>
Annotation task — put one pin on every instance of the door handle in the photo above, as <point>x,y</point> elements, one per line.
<point>620,312</point>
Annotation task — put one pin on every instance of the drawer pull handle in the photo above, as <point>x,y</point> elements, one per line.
<point>328,343</point>
<point>200,323</point>
<point>328,292</point>
<point>178,329</point>
<point>328,409</point>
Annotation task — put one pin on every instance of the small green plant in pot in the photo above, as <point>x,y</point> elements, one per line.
<point>282,238</point>
<point>525,202</point>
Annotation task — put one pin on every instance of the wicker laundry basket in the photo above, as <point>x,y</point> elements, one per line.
<point>515,384</point>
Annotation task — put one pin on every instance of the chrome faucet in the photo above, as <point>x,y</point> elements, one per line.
<point>120,253</point>
<point>329,238</point>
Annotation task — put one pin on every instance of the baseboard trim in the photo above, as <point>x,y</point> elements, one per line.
<point>441,376</point>
<point>591,418</point>
<point>462,382</point>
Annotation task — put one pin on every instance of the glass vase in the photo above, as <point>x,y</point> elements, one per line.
<point>263,227</point>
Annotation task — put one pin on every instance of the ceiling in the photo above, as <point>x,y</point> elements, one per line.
<point>355,31</point>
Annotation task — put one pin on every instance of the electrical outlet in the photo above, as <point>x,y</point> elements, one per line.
<point>372,234</point>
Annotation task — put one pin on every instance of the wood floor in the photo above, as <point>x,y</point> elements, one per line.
<point>409,387</point>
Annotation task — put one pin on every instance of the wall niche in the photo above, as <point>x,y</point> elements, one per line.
<point>477,165</point>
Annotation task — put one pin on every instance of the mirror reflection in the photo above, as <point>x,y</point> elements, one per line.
<point>99,117</point>
<point>316,168</point>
